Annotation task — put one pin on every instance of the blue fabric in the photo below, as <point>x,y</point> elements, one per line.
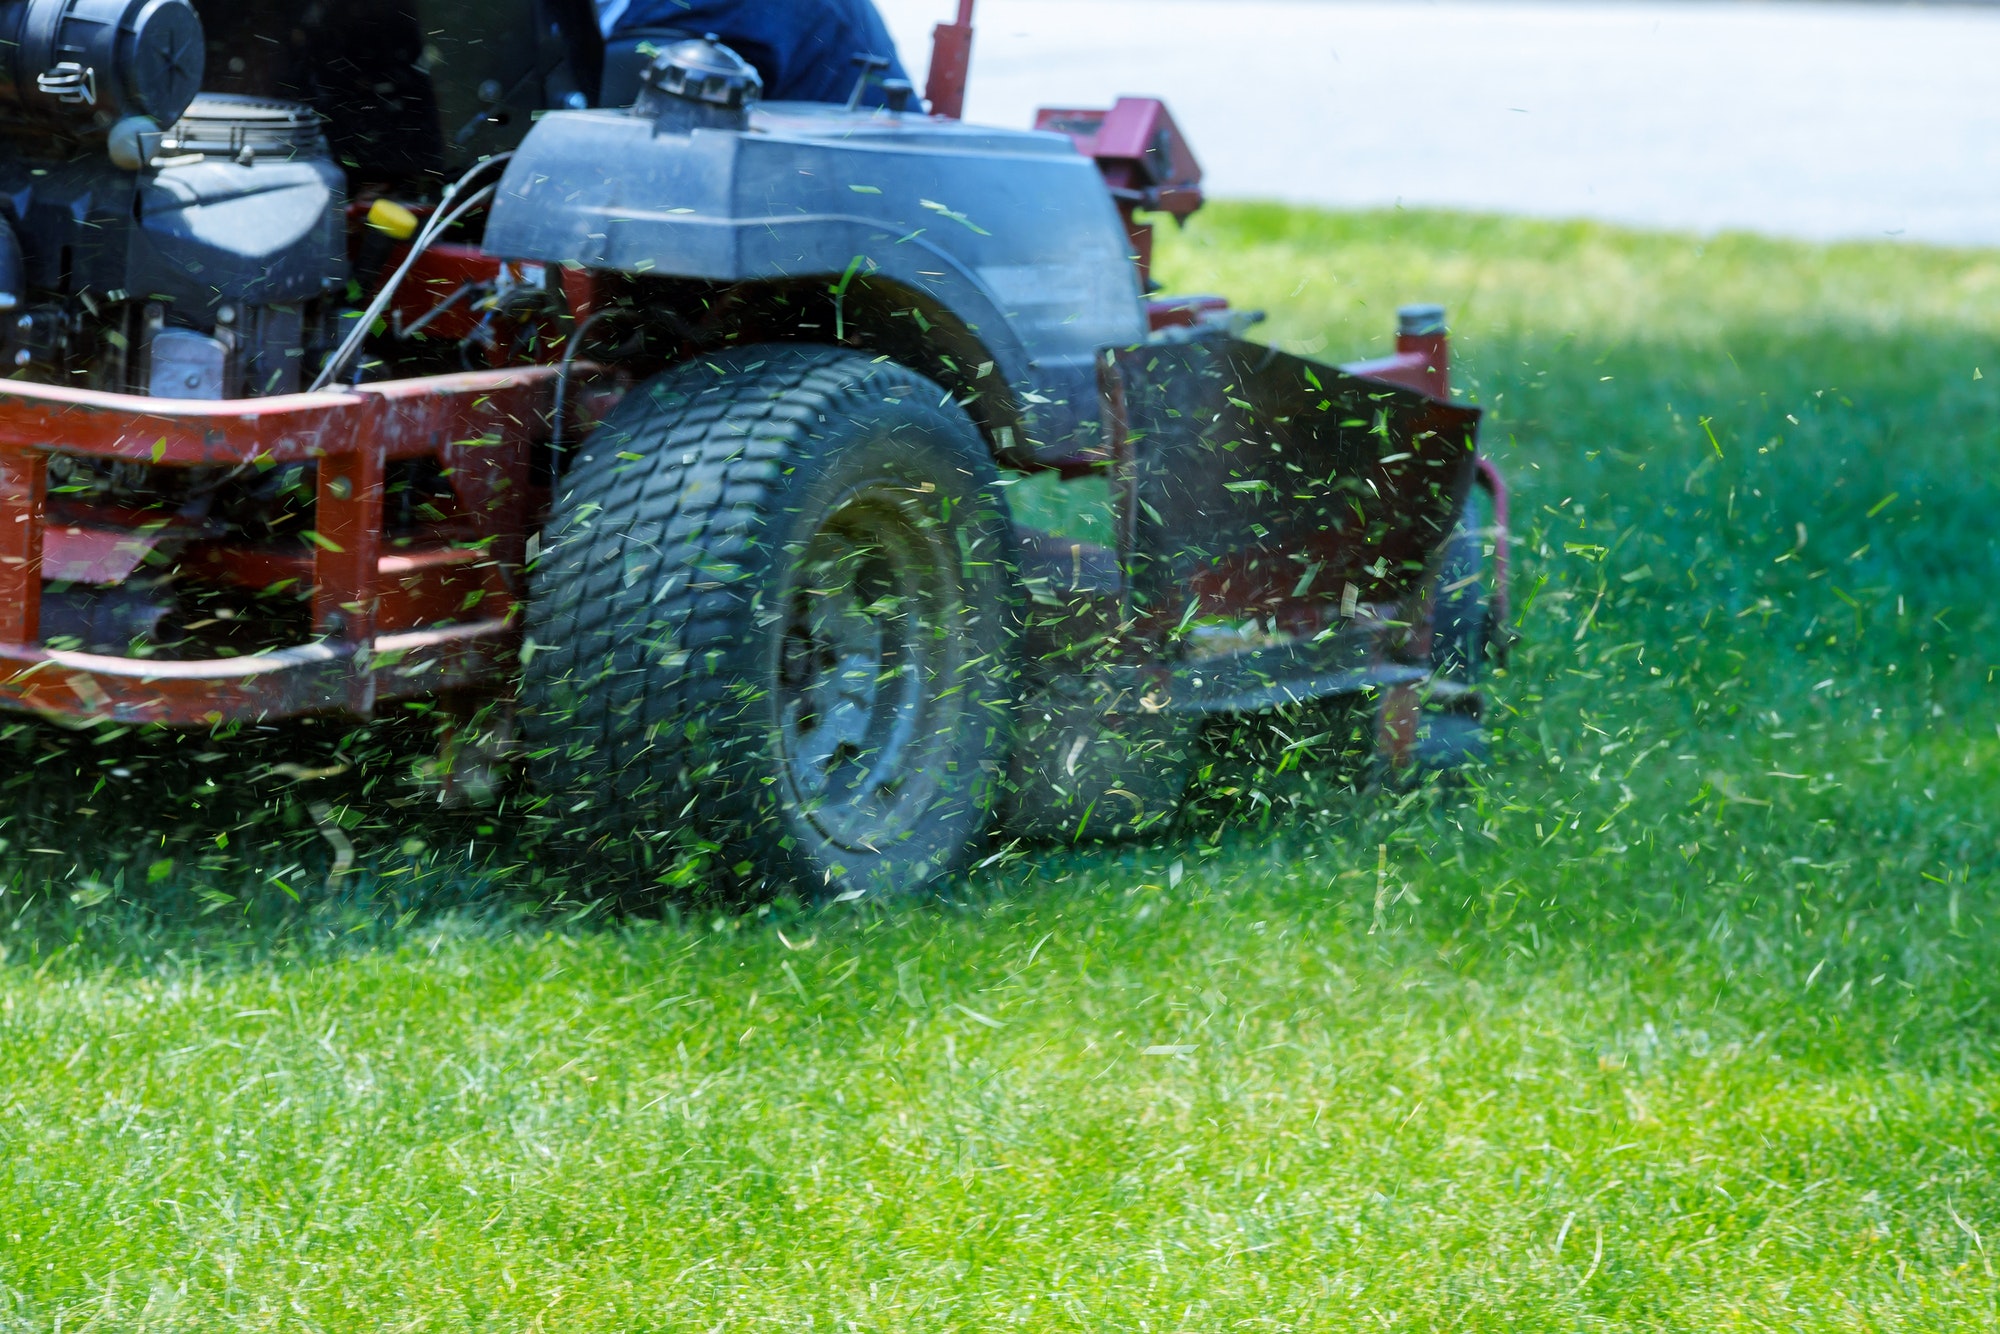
<point>803,49</point>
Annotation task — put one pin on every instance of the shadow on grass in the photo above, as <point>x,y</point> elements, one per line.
<point>133,841</point>
<point>134,846</point>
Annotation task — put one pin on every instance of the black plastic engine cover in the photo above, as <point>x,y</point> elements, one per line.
<point>200,235</point>
<point>219,231</point>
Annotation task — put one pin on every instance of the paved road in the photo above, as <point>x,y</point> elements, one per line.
<point>1797,119</point>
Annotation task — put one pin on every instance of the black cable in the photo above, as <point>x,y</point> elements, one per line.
<point>439,223</point>
<point>576,338</point>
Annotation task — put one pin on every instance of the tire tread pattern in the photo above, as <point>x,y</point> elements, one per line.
<point>682,475</point>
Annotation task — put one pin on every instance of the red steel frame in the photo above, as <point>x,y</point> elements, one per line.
<point>480,426</point>
<point>951,63</point>
<point>383,620</point>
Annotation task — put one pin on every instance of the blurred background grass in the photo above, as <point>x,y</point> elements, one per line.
<point>1678,1017</point>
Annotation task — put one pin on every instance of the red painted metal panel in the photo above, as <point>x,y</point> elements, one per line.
<point>415,586</point>
<point>87,554</point>
<point>1139,148</point>
<point>1422,362</point>
<point>951,64</point>
<point>480,426</point>
<point>24,480</point>
<point>440,276</point>
<point>425,587</point>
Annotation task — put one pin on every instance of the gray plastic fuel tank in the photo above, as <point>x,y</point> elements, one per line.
<point>1011,231</point>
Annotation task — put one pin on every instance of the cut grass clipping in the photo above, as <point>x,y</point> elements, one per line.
<point>1678,1018</point>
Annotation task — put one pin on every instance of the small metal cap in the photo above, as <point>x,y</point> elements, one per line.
<point>132,142</point>
<point>704,70</point>
<point>896,95</point>
<point>1414,321</point>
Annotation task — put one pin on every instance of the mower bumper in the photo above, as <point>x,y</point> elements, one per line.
<point>478,426</point>
<point>286,682</point>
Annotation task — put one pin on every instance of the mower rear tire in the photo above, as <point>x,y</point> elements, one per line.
<point>773,628</point>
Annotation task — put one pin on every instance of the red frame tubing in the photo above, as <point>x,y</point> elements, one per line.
<point>24,488</point>
<point>1500,604</point>
<point>951,64</point>
<point>479,425</point>
<point>1422,362</point>
<point>347,564</point>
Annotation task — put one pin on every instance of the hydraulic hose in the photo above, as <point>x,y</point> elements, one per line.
<point>576,337</point>
<point>440,222</point>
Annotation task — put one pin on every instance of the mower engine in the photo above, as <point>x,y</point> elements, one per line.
<point>159,241</point>
<point>156,241</point>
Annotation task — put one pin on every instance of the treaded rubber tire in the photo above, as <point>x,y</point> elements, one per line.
<point>669,622</point>
<point>1449,741</point>
<point>1458,627</point>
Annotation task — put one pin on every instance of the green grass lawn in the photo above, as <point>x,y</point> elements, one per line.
<point>1681,1018</point>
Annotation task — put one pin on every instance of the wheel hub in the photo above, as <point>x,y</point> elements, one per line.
<point>859,650</point>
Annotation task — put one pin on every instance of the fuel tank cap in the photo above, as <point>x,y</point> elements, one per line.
<point>698,83</point>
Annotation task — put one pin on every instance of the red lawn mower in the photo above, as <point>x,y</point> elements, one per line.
<point>821,486</point>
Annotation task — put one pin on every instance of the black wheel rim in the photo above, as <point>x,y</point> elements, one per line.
<point>869,622</point>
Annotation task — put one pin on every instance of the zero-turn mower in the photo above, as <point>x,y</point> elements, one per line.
<point>821,485</point>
